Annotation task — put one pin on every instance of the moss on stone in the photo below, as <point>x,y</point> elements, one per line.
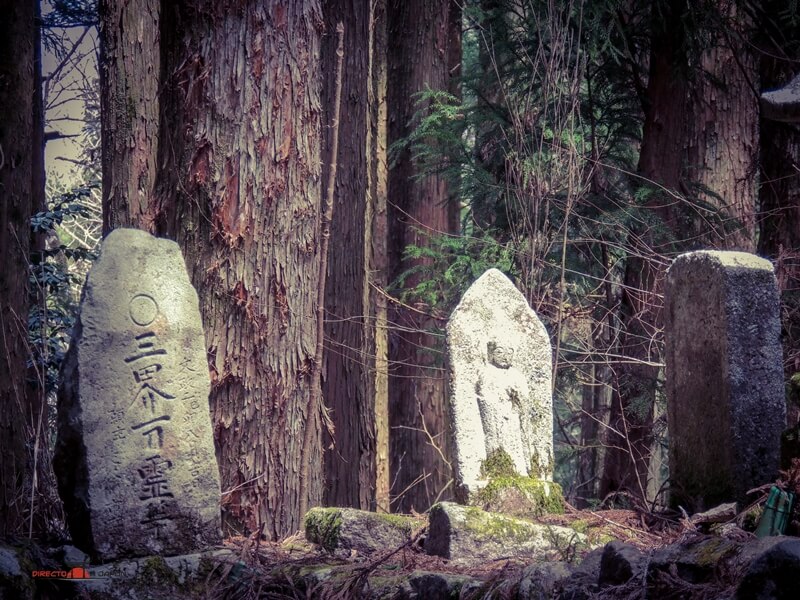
<point>498,463</point>
<point>596,535</point>
<point>544,497</point>
<point>399,521</point>
<point>752,517</point>
<point>579,525</point>
<point>322,527</point>
<point>712,551</point>
<point>155,570</point>
<point>496,527</point>
<point>541,466</point>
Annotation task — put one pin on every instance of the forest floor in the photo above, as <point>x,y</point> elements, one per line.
<point>282,569</point>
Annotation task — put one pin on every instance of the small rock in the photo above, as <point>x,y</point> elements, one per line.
<point>9,565</point>
<point>619,563</point>
<point>539,581</point>
<point>436,586</point>
<point>694,561</point>
<point>70,556</point>
<point>419,585</point>
<point>14,583</point>
<point>774,575</point>
<point>467,534</point>
<point>359,530</point>
<point>582,584</point>
<point>718,514</point>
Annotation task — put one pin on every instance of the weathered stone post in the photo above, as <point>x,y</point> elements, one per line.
<point>725,398</point>
<point>135,456</point>
<point>500,384</point>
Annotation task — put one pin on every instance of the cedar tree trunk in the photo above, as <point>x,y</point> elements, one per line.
<point>354,385</point>
<point>238,185</point>
<point>418,40</point>
<point>21,188</point>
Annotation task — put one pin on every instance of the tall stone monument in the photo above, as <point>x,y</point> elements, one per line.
<point>134,456</point>
<point>725,397</point>
<point>500,383</point>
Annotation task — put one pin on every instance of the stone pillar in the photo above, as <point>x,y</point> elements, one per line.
<point>134,456</point>
<point>725,396</point>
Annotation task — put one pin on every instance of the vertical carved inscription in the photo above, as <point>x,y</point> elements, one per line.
<point>148,413</point>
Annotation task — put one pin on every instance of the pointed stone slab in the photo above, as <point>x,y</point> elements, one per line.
<point>500,382</point>
<point>724,377</point>
<point>135,456</point>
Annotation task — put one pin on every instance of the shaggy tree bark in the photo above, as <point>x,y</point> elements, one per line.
<point>722,147</point>
<point>418,38</point>
<point>130,61</point>
<point>238,185</point>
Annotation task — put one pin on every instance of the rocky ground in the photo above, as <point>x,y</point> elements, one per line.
<point>616,554</point>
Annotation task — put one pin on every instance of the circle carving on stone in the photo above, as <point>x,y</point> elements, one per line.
<point>143,309</point>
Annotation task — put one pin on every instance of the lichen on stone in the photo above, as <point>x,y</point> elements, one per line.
<point>496,527</point>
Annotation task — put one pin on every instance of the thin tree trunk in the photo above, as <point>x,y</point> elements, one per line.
<point>628,438</point>
<point>418,36</point>
<point>376,248</point>
<point>21,186</point>
<point>352,355</point>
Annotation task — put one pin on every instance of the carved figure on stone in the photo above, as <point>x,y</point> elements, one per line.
<point>500,389</point>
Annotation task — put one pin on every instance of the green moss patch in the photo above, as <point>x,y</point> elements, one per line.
<point>322,527</point>
<point>498,464</point>
<point>496,527</point>
<point>520,495</point>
